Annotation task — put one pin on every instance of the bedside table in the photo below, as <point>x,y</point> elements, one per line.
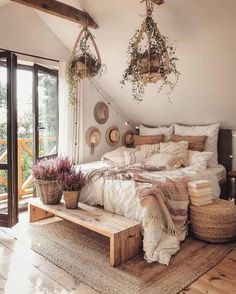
<point>231,175</point>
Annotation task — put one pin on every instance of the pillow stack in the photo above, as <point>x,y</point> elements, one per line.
<point>200,192</point>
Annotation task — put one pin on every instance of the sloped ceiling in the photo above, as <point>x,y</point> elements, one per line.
<point>204,32</point>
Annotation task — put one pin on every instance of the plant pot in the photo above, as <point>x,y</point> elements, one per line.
<point>83,70</point>
<point>48,191</point>
<point>71,199</point>
<point>150,69</point>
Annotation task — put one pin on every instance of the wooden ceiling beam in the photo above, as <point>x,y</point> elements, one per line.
<point>62,10</point>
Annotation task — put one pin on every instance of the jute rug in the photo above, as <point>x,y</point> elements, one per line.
<point>85,255</point>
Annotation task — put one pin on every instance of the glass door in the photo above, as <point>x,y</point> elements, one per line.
<point>45,112</point>
<point>8,140</point>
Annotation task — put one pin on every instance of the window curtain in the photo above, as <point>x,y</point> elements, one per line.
<point>69,124</point>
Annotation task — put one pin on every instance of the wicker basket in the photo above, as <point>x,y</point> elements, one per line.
<point>48,191</point>
<point>71,199</point>
<point>214,222</point>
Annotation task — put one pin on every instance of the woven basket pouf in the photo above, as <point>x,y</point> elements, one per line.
<point>214,222</point>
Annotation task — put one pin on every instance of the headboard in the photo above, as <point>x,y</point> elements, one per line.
<point>225,148</point>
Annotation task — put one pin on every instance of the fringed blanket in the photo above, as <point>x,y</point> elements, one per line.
<point>164,203</point>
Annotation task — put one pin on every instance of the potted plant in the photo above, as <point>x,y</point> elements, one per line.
<point>71,184</point>
<point>46,173</point>
<point>83,63</point>
<point>151,58</point>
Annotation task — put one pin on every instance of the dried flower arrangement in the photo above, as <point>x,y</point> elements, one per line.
<point>152,60</point>
<point>71,181</point>
<point>83,63</point>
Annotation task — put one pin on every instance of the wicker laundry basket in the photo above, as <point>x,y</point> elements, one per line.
<point>48,191</point>
<point>214,222</point>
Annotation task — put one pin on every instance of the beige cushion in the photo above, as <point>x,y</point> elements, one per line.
<point>117,155</point>
<point>143,140</point>
<point>177,149</point>
<point>149,148</point>
<point>147,131</point>
<point>211,131</point>
<point>169,162</point>
<point>135,156</point>
<point>195,143</point>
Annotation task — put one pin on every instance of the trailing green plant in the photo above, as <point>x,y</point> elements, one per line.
<point>155,49</point>
<point>84,64</point>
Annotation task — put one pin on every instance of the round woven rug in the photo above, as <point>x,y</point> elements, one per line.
<point>85,255</point>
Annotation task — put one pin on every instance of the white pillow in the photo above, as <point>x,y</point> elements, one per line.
<point>149,148</point>
<point>117,155</point>
<point>135,156</point>
<point>211,131</point>
<point>167,131</point>
<point>177,149</point>
<point>199,158</point>
<point>169,162</point>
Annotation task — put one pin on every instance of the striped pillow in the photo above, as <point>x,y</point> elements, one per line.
<point>149,148</point>
<point>133,157</point>
<point>195,143</point>
<point>178,149</point>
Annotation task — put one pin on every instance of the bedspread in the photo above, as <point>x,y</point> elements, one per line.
<point>148,197</point>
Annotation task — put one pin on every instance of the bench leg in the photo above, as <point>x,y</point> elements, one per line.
<point>36,214</point>
<point>125,245</point>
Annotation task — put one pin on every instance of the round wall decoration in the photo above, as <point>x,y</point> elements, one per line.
<point>101,112</point>
<point>92,138</point>
<point>112,136</point>
<point>128,138</point>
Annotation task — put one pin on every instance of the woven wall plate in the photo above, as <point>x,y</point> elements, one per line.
<point>101,112</point>
<point>128,138</point>
<point>93,137</point>
<point>112,136</point>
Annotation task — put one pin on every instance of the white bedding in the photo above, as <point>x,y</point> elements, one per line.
<point>219,172</point>
<point>120,197</point>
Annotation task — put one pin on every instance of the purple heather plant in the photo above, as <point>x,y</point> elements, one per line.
<point>50,169</point>
<point>71,181</point>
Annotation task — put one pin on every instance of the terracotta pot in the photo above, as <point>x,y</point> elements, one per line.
<point>48,191</point>
<point>71,199</point>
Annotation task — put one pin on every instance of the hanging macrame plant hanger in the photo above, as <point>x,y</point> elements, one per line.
<point>83,68</point>
<point>150,66</point>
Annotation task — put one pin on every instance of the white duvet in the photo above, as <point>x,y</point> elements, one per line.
<point>119,197</point>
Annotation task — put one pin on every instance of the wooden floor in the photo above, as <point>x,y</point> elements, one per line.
<point>24,271</point>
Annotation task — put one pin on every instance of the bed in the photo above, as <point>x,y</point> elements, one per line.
<point>120,197</point>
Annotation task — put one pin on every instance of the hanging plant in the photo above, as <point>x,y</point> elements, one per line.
<point>151,58</point>
<point>83,63</point>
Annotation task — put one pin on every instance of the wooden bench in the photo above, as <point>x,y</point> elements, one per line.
<point>125,234</point>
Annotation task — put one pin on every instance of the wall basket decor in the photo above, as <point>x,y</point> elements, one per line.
<point>112,136</point>
<point>92,138</point>
<point>84,62</point>
<point>151,58</point>
<point>128,138</point>
<point>101,112</point>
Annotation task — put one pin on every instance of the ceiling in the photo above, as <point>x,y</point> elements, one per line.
<point>204,33</point>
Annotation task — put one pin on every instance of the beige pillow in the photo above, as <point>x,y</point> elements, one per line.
<point>135,156</point>
<point>117,155</point>
<point>199,158</point>
<point>143,140</point>
<point>149,148</point>
<point>177,149</point>
<point>195,143</point>
<point>168,161</point>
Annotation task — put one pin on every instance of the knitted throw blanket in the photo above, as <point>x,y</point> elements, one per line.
<point>164,203</point>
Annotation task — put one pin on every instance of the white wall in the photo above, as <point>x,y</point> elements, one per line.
<point>89,100</point>
<point>21,29</point>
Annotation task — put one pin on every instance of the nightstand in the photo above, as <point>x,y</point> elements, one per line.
<point>231,175</point>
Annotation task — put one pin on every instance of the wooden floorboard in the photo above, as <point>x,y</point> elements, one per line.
<point>24,271</point>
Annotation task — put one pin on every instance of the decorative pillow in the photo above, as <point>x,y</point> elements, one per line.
<point>211,131</point>
<point>135,156</point>
<point>199,158</point>
<point>149,148</point>
<point>177,149</point>
<point>147,131</point>
<point>195,143</point>
<point>168,161</point>
<point>141,140</point>
<point>117,155</point>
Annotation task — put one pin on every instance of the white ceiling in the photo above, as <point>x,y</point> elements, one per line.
<point>204,32</point>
